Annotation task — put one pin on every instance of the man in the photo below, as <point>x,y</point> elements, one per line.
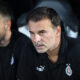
<point>12,45</point>
<point>55,56</point>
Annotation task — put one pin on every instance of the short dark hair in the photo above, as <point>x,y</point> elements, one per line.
<point>5,10</point>
<point>43,13</point>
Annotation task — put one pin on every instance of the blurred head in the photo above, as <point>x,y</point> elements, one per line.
<point>5,20</point>
<point>45,30</point>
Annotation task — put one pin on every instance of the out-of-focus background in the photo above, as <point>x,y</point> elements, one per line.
<point>69,10</point>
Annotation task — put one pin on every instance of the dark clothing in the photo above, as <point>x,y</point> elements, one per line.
<point>35,66</point>
<point>9,56</point>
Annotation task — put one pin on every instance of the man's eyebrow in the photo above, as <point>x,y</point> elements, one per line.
<point>41,31</point>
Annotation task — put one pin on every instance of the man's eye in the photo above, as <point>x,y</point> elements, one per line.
<point>42,31</point>
<point>31,32</point>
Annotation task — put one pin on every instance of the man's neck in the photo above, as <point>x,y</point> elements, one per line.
<point>53,55</point>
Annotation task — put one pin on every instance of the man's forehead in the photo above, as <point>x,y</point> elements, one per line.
<point>37,30</point>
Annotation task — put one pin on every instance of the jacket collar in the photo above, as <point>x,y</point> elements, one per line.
<point>63,49</point>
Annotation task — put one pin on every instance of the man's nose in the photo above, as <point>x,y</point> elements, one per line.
<point>37,38</point>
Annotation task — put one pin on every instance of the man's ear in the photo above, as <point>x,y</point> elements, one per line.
<point>58,30</point>
<point>8,24</point>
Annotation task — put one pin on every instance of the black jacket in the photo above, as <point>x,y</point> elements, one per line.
<point>34,66</point>
<point>10,56</point>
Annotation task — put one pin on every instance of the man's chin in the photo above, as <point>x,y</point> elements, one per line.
<point>40,51</point>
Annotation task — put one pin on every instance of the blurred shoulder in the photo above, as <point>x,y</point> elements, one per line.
<point>20,38</point>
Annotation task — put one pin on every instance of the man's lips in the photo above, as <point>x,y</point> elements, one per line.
<point>39,46</point>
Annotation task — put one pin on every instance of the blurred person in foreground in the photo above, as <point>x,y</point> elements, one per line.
<point>12,44</point>
<point>53,55</point>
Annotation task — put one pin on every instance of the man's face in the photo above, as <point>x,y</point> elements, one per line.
<point>43,35</point>
<point>2,28</point>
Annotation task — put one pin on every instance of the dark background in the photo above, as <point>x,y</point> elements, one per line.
<point>21,6</point>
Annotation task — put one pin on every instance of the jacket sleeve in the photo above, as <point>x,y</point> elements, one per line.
<point>25,64</point>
